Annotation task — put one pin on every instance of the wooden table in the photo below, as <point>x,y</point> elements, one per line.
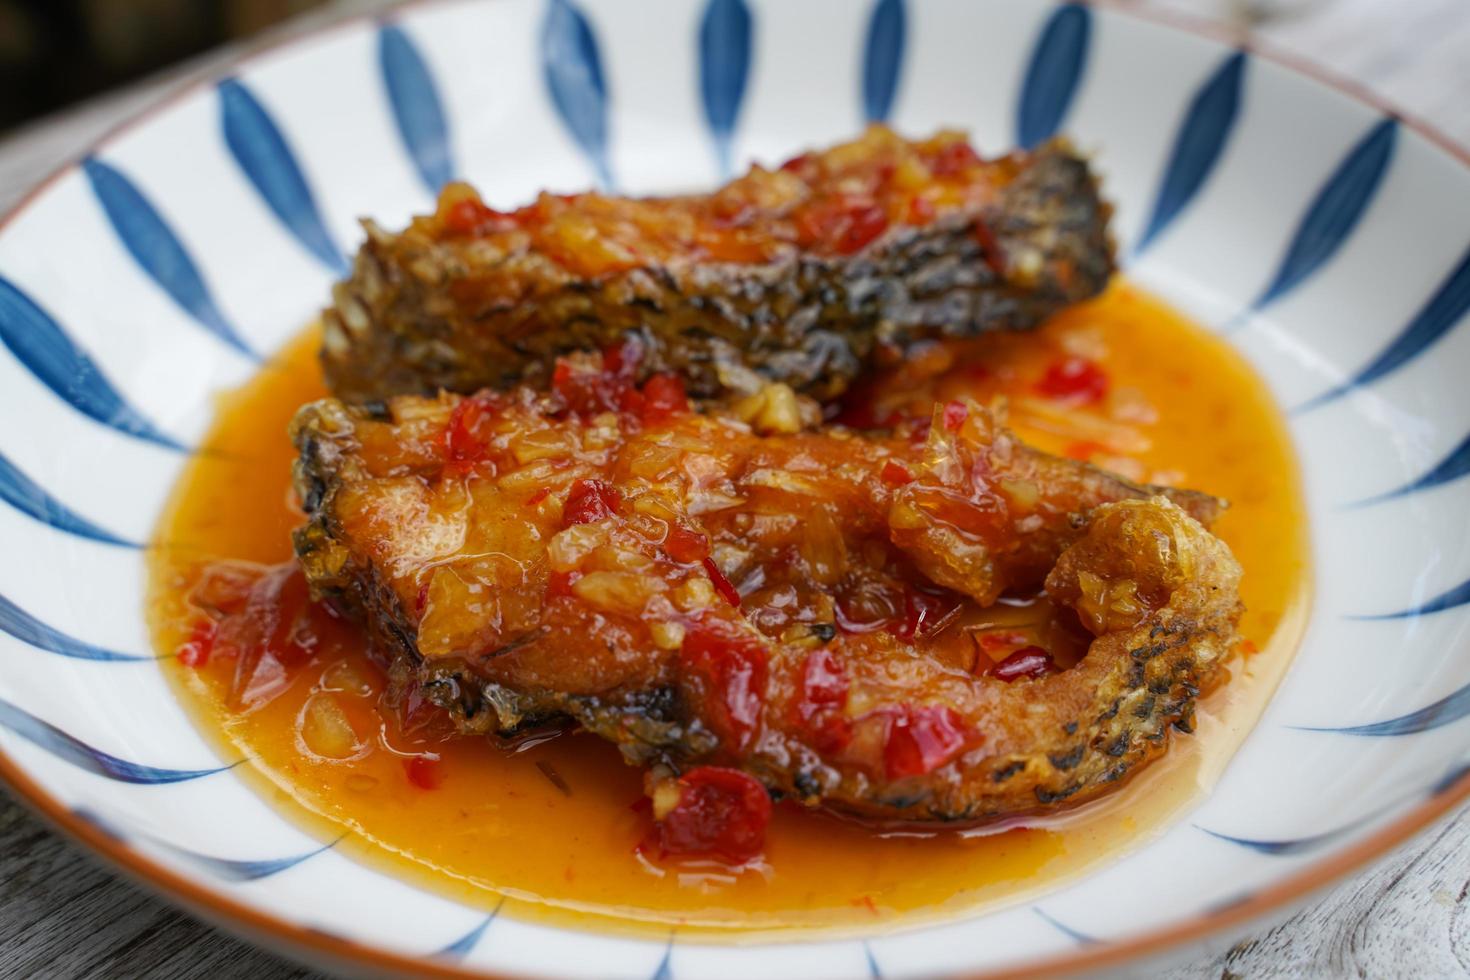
<point>61,915</point>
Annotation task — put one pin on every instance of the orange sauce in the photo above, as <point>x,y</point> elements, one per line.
<point>549,828</point>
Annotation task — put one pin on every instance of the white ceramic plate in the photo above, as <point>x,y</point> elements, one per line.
<point>1328,238</point>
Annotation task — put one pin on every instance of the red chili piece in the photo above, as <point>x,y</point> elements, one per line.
<point>472,217</point>
<point>1026,662</point>
<point>721,813</point>
<point>733,667</point>
<point>722,585</point>
<point>955,414</point>
<point>823,698</point>
<point>194,652</point>
<point>954,158</point>
<point>921,739</point>
<point>895,474</point>
<point>560,583</point>
<point>423,771</point>
<point>589,501</point>
<point>467,437</point>
<point>663,398</point>
<point>845,223</point>
<point>1075,380</point>
<point>685,545</point>
<point>588,390</point>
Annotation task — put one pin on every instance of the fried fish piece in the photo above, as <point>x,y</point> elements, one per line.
<point>799,275</point>
<point>808,606</point>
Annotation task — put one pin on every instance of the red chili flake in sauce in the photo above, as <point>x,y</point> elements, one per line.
<point>685,545</point>
<point>722,585</point>
<point>560,583</point>
<point>953,158</point>
<point>472,217</point>
<point>467,436</point>
<point>589,501</point>
<point>1075,380</point>
<point>1029,661</point>
<point>797,162</point>
<point>589,390</point>
<point>921,739</point>
<point>924,612</point>
<point>423,771</point>
<point>823,697</point>
<point>663,399</point>
<point>721,813</point>
<point>843,223</point>
<point>733,667</point>
<point>538,496</point>
<point>1084,450</point>
<point>895,474</point>
<point>955,414</point>
<point>990,249</point>
<point>194,652</point>
<point>920,210</point>
<point>421,600</point>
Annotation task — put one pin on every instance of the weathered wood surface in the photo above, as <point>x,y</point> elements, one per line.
<point>61,915</point>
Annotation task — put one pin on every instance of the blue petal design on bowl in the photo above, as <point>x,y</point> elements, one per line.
<point>28,629</point>
<point>52,739</point>
<point>31,499</point>
<point>573,71</point>
<point>1334,212</point>
<point>1450,778</point>
<point>1445,711</point>
<point>724,68</point>
<point>48,353</point>
<point>1208,123</point>
<point>1452,467</point>
<point>873,972</point>
<point>268,163</point>
<point>157,250</point>
<point>1282,848</point>
<point>1457,596</point>
<point>883,58</point>
<point>461,946</point>
<point>230,869</point>
<point>665,970</point>
<point>416,107</point>
<point>1053,75</point>
<point>1066,930</point>
<point>1444,309</point>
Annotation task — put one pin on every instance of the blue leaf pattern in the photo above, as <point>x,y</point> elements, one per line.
<point>573,71</point>
<point>35,339</point>
<point>461,947</point>
<point>268,163</point>
<point>1079,937</point>
<point>1445,711</point>
<point>1283,848</point>
<point>1208,122</point>
<point>28,497</point>
<point>57,742</point>
<point>417,109</point>
<point>873,972</point>
<point>665,970</point>
<point>28,629</point>
<point>1457,596</point>
<point>1334,212</point>
<point>157,250</point>
<point>230,869</point>
<point>1452,467</point>
<point>1444,309</point>
<point>724,67</point>
<point>1053,74</point>
<point>883,58</point>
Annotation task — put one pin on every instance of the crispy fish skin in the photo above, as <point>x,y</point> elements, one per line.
<point>497,603</point>
<point>1009,242</point>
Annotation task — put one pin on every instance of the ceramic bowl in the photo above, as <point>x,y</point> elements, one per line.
<point>1325,236</point>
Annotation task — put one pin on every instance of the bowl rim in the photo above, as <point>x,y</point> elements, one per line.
<point>259,927</point>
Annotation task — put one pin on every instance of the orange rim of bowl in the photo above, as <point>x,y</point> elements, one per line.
<point>317,946</point>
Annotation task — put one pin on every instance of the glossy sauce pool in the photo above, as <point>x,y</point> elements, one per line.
<point>550,828</point>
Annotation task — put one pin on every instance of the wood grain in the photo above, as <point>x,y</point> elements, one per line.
<point>61,915</point>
